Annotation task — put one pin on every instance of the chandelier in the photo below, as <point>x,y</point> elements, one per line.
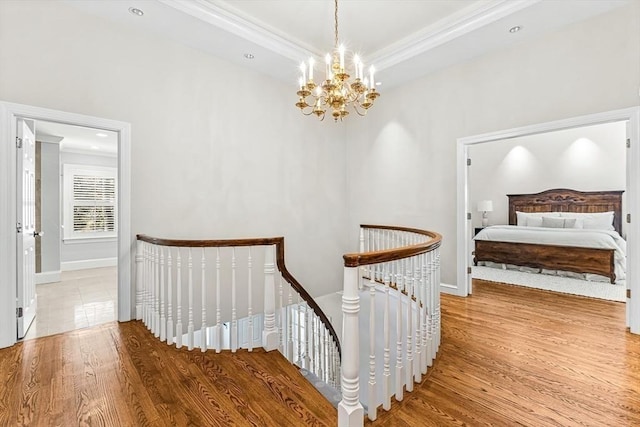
<point>336,91</point>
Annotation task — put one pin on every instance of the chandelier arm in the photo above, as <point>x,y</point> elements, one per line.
<point>355,107</point>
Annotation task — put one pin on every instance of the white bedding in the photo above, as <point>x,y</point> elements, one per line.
<point>561,237</point>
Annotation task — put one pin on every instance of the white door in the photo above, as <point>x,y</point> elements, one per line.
<point>26,227</point>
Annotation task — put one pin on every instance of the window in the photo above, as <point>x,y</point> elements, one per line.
<point>90,194</point>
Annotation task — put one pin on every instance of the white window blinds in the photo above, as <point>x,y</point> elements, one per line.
<point>90,201</point>
<point>94,204</point>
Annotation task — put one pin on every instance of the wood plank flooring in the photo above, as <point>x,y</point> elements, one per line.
<point>509,356</point>
<point>120,375</point>
<point>518,356</point>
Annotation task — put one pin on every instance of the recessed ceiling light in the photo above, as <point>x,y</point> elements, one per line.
<point>515,29</point>
<point>101,135</point>
<point>136,11</point>
<point>249,55</point>
<point>378,83</point>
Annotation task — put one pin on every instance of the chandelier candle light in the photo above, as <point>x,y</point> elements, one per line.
<point>336,90</point>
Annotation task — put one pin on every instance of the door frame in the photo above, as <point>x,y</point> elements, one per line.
<point>632,116</point>
<point>9,114</point>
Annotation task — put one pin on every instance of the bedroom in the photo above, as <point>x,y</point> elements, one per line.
<point>590,159</point>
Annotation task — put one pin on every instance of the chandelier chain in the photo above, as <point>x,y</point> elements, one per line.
<point>335,16</point>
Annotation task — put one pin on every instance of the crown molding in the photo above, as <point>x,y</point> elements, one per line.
<point>234,22</point>
<point>464,21</point>
<point>457,25</point>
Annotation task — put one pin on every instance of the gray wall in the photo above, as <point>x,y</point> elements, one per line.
<point>50,214</point>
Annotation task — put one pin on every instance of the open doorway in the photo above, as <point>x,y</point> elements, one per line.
<point>76,215</point>
<point>632,209</point>
<point>10,115</point>
<point>588,159</point>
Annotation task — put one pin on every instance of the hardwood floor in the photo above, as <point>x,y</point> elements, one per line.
<point>120,375</point>
<point>517,356</point>
<point>509,356</point>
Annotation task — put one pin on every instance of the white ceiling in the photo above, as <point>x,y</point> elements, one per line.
<point>404,39</point>
<point>78,139</point>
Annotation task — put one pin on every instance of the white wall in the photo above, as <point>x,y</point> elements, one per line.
<point>218,151</point>
<point>592,158</point>
<point>403,154</point>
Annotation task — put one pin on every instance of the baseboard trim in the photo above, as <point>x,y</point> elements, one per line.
<point>48,277</point>
<point>446,288</point>
<point>89,263</point>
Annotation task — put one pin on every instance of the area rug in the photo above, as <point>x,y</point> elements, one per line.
<point>567,285</point>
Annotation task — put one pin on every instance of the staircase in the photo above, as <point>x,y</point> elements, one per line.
<point>238,295</point>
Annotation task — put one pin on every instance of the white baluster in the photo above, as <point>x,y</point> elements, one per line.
<point>437,294</point>
<point>363,269</point>
<point>307,337</point>
<point>399,337</point>
<point>409,290</point>
<point>270,332</point>
<point>369,248</point>
<point>386,378</point>
<point>156,281</point>
<point>234,320</point>
<point>299,336</point>
<point>139,278</point>
<point>372,410</point>
<point>218,333</point>
<point>417,330</point>
<point>203,327</point>
<point>350,411</point>
<point>190,326</point>
<point>249,301</point>
<point>325,353</point>
<point>289,353</point>
<point>148,284</point>
<point>178,298</point>
<point>163,318</point>
<point>425,312</point>
<point>431,317</point>
<point>170,332</point>
<point>281,317</point>
<point>317,344</point>
<point>311,340</point>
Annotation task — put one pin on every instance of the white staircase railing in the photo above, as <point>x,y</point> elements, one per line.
<point>395,334</point>
<point>232,294</point>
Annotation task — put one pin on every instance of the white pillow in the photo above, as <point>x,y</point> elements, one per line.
<point>521,217</point>
<point>592,221</point>
<point>534,221</point>
<point>597,224</point>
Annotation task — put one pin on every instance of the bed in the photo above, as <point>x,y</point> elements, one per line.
<point>562,249</point>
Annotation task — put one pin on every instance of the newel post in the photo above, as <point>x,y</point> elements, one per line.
<point>350,411</point>
<point>270,332</point>
<point>139,278</point>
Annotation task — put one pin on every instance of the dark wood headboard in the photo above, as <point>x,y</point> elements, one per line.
<point>564,200</point>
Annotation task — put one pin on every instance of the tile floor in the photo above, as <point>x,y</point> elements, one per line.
<point>83,298</point>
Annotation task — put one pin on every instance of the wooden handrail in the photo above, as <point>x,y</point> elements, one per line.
<point>259,241</point>
<point>374,257</point>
